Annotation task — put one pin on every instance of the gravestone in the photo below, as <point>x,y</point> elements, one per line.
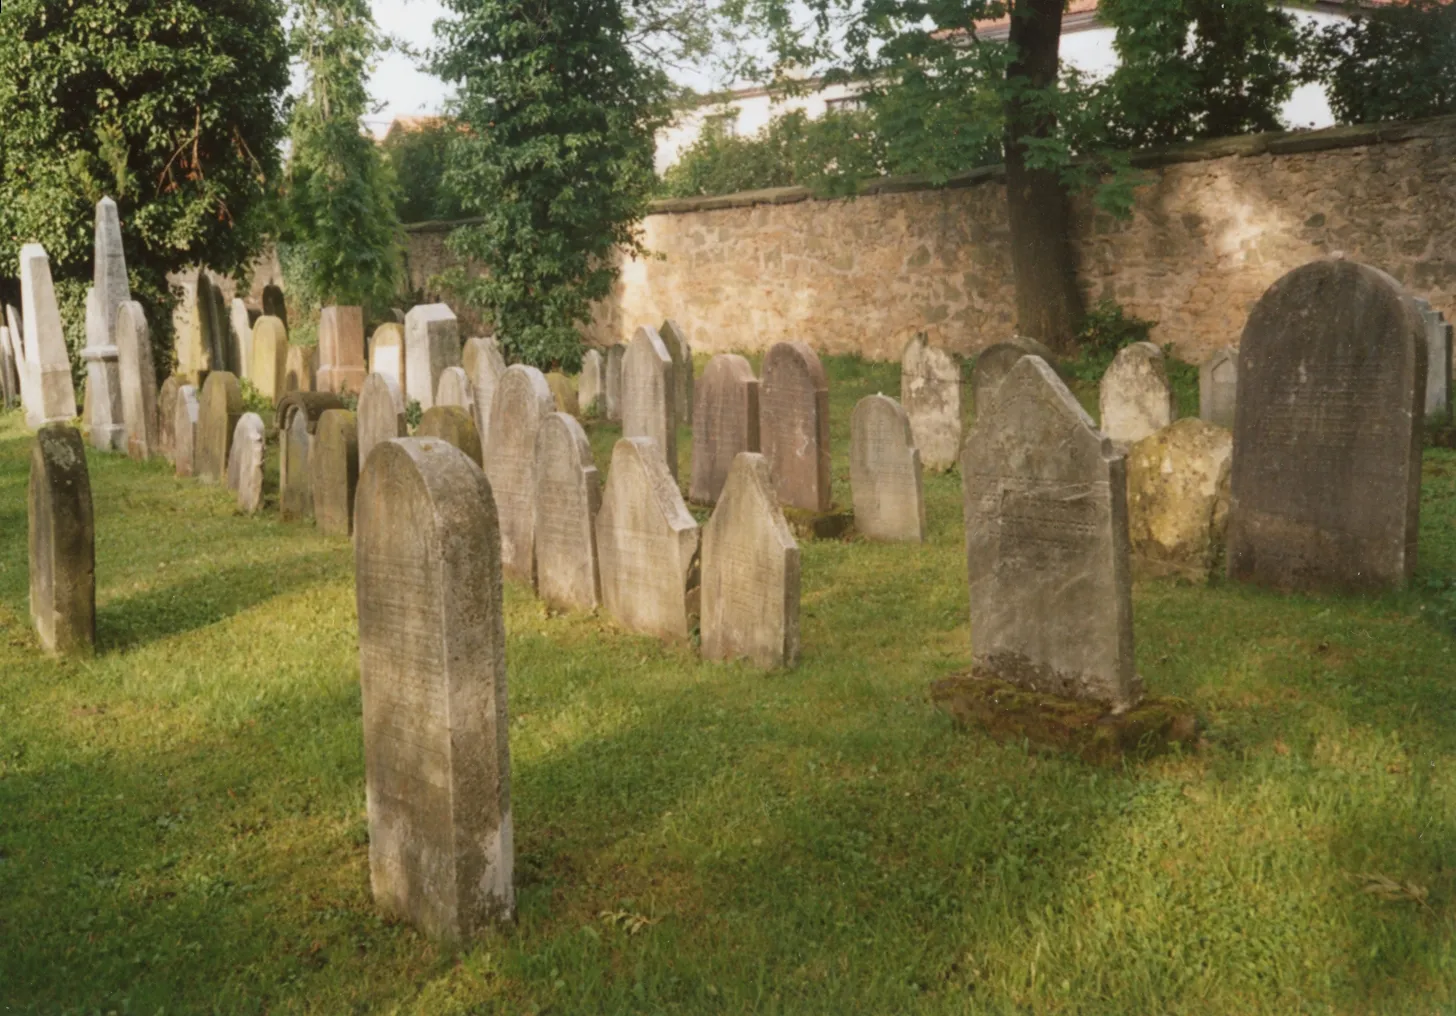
<point>930,391</point>
<point>476,347</point>
<point>484,366</point>
<point>1438,363</point>
<point>274,304</point>
<point>455,389</point>
<point>648,395</point>
<point>592,394</point>
<point>245,463</point>
<point>295,473</point>
<point>793,425</point>
<point>270,358</point>
<point>241,323</point>
<point>341,350</point>
<point>184,430</point>
<point>137,380</point>
<point>750,572</point>
<point>522,403</point>
<point>1135,396</point>
<point>313,405</point>
<point>333,462</point>
<point>884,472</point>
<point>562,393</point>
<point>299,369</point>
<point>26,367</point>
<point>45,342</point>
<point>991,367</point>
<point>109,290</point>
<point>613,381</point>
<point>62,542</point>
<point>432,343</point>
<point>9,374</point>
<point>432,669</point>
<point>725,423</point>
<point>380,415</point>
<point>1218,387</point>
<point>453,424</point>
<point>167,418</point>
<point>222,350</point>
<point>217,416</point>
<point>1327,433</point>
<point>386,353</point>
<point>568,496</point>
<point>681,351</point>
<point>647,544</point>
<point>1177,500</point>
<point>1046,544</point>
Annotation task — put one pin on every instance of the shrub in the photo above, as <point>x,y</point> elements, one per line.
<point>1387,63</point>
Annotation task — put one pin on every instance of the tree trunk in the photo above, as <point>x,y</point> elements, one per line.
<point>1049,306</point>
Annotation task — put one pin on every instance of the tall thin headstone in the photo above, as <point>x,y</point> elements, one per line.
<point>884,472</point>
<point>295,477</point>
<point>591,393</point>
<point>1438,363</point>
<point>217,416</point>
<point>167,418</point>
<point>137,380</point>
<point>681,351</point>
<point>62,542</point>
<point>184,430</point>
<point>9,372</point>
<point>334,468</point>
<point>649,394</point>
<point>930,391</point>
<point>568,496</point>
<point>386,353</point>
<point>245,463</point>
<point>380,415</point>
<point>270,357</point>
<point>110,289</point>
<point>793,425</point>
<point>432,343</point>
<point>1218,387</point>
<point>522,403</point>
<point>725,423</point>
<point>615,356</point>
<point>241,323</point>
<point>45,342</point>
<point>1135,396</point>
<point>484,365</point>
<point>27,367</point>
<point>341,350</point>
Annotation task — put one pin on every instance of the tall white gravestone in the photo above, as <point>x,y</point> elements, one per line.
<point>110,289</point>
<point>432,343</point>
<point>930,391</point>
<point>45,341</point>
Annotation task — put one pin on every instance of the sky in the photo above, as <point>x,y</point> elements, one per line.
<point>397,83</point>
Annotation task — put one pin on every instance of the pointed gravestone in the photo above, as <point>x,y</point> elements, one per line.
<point>647,544</point>
<point>568,495</point>
<point>750,572</point>
<point>62,542</point>
<point>1327,435</point>
<point>295,478</point>
<point>453,424</point>
<point>241,323</point>
<point>1438,363</point>
<point>184,431</point>
<point>591,393</point>
<point>1046,544</point>
<point>245,463</point>
<point>27,367</point>
<point>884,472</point>
<point>380,415</point>
<point>484,366</point>
<point>270,357</point>
<point>137,380</point>
<point>991,367</point>
<point>1135,397</point>
<point>725,423</point>
<point>45,342</point>
<point>522,403</point>
<point>432,343</point>
<point>1218,387</point>
<point>341,350</point>
<point>930,391</point>
<point>217,416</point>
<point>274,304</point>
<point>432,669</point>
<point>333,463</point>
<point>649,395</point>
<point>455,389</point>
<point>109,291</point>
<point>612,381</point>
<point>793,425</point>
<point>300,369</point>
<point>681,351</point>
<point>386,353</point>
<point>167,418</point>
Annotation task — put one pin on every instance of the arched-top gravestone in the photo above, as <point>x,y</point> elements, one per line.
<point>432,343</point>
<point>245,462</point>
<point>295,476</point>
<point>380,414</point>
<point>1134,396</point>
<point>62,542</point>
<point>884,472</point>
<point>793,425</point>
<point>167,417</point>
<point>1045,498</point>
<point>647,544</point>
<point>270,357</point>
<point>333,463</point>
<point>1326,476</point>
<point>341,349</point>
<point>930,391</point>
<point>613,381</point>
<point>750,594</point>
<point>453,424</point>
<point>386,353</point>
<point>725,423</point>
<point>484,366</point>
<point>432,669</point>
<point>522,403</point>
<point>592,391</point>
<point>455,389</point>
<point>568,496</point>
<point>137,379</point>
<point>649,394</point>
<point>1218,387</point>
<point>184,431</point>
<point>991,367</point>
<point>681,351</point>
<point>217,414</point>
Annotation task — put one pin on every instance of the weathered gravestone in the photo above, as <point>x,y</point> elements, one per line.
<point>562,393</point>
<point>217,415</point>
<point>270,358</point>
<point>793,425</point>
<point>884,472</point>
<point>240,320</point>
<point>245,462</point>
<point>681,351</point>
<point>1327,434</point>
<point>991,367</point>
<point>432,669</point>
<point>613,381</point>
<point>184,430</point>
<point>648,394</point>
<point>27,368</point>
<point>333,463</point>
<point>930,392</point>
<point>167,418</point>
<point>725,423</point>
<point>299,369</point>
<point>274,305</point>
<point>453,424</point>
<point>62,542</point>
<point>1438,363</point>
<point>455,389</point>
<point>1046,544</point>
<point>750,593</point>
<point>484,365</point>
<point>591,394</point>
<point>1177,500</point>
<point>522,403</point>
<point>297,420</point>
<point>9,377</point>
<point>45,342</point>
<point>568,495</point>
<point>1218,387</point>
<point>137,380</point>
<point>109,290</point>
<point>647,544</point>
<point>341,350</point>
<point>432,343</point>
<point>386,353</point>
<point>1135,397</point>
<point>380,415</point>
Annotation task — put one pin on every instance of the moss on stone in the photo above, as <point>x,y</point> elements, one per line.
<point>834,524</point>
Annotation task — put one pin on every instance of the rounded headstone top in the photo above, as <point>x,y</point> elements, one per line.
<point>794,356</point>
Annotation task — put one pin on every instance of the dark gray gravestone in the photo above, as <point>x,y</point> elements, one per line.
<point>62,542</point>
<point>793,425</point>
<point>991,367</point>
<point>725,423</point>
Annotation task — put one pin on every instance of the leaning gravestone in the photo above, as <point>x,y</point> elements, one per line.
<point>884,472</point>
<point>110,289</point>
<point>793,427</point>
<point>432,669</point>
<point>592,392</point>
<point>522,403</point>
<point>1177,500</point>
<point>184,431</point>
<point>62,542</point>
<point>678,347</point>
<point>1438,363</point>
<point>245,463</point>
<point>167,417</point>
<point>270,358</point>
<point>647,544</point>
<point>45,341</point>
<point>725,423</point>
<point>432,343</point>
<point>1327,435</point>
<point>386,353</point>
<point>750,572</point>
<point>137,379</point>
<point>1135,396</point>
<point>1046,544</point>
<point>380,415</point>
<point>341,350</point>
<point>1218,387</point>
<point>295,477</point>
<point>453,424</point>
<point>455,389</point>
<point>484,365</point>
<point>217,416</point>
<point>648,395</point>
<point>612,382</point>
<point>333,463</point>
<point>930,391</point>
<point>568,496</point>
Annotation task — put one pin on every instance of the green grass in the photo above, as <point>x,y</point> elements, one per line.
<point>182,824</point>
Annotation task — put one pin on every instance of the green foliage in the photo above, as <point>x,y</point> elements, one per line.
<point>255,401</point>
<point>171,107</point>
<point>555,154</point>
<point>417,156</point>
<point>1391,62</point>
<point>1106,329</point>
<point>413,414</point>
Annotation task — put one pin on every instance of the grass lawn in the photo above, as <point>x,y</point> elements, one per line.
<point>182,824</point>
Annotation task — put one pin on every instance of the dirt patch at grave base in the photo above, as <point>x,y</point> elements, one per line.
<point>1086,729</point>
<point>835,524</point>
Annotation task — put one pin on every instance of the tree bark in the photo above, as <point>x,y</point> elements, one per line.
<point>1049,306</point>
